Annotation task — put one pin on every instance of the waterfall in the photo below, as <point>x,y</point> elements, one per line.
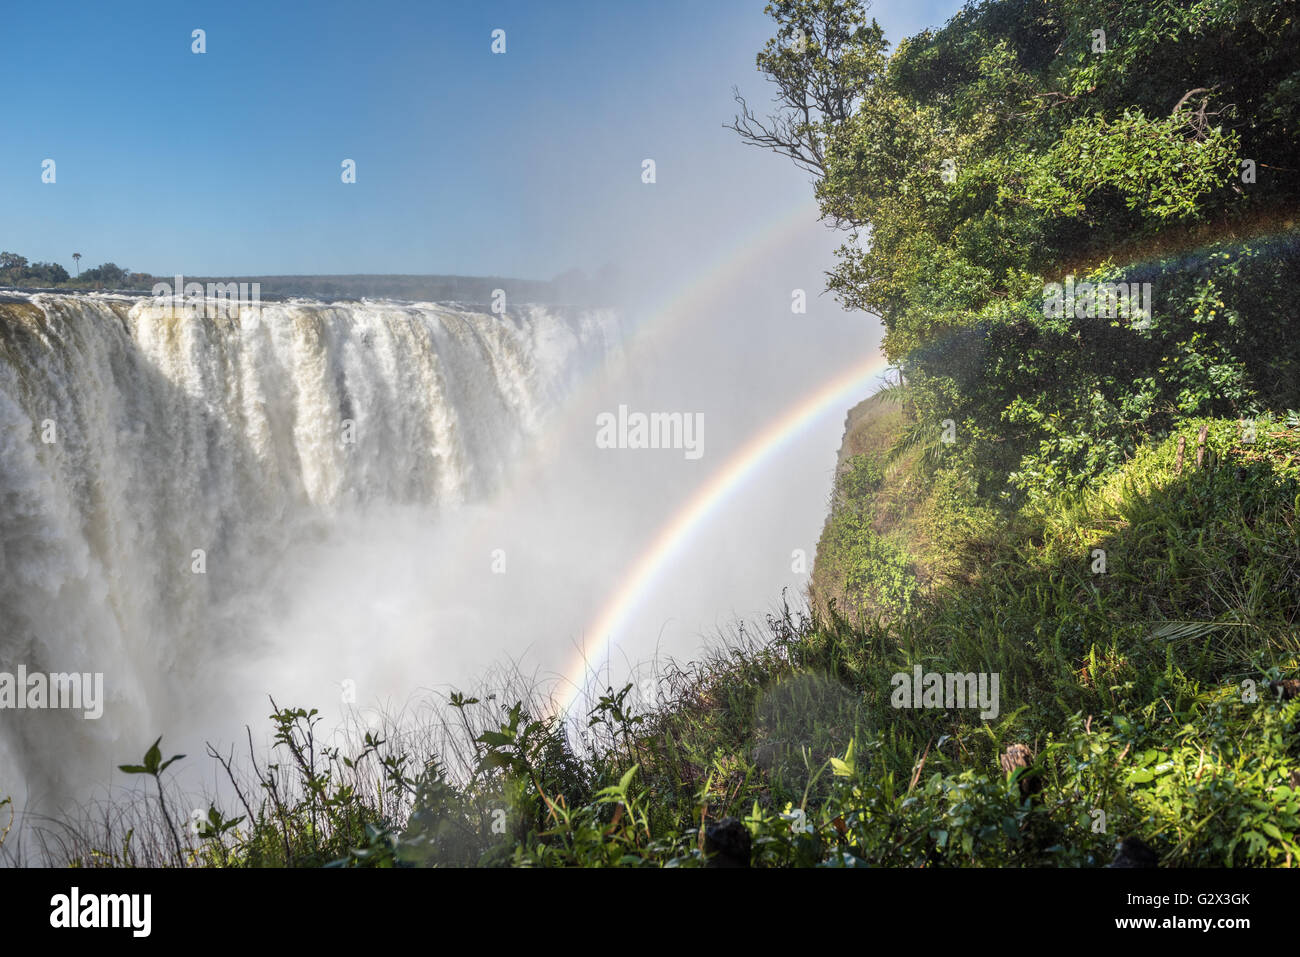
<point>155,466</point>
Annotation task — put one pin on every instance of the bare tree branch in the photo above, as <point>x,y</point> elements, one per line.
<point>779,135</point>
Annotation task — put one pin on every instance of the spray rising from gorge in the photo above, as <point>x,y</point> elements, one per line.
<point>165,474</point>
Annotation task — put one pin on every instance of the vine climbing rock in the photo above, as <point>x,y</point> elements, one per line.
<point>726,844</point>
<point>1133,852</point>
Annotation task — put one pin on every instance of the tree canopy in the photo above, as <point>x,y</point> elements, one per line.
<point>1026,141</point>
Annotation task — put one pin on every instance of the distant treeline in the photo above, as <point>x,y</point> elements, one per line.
<point>15,270</point>
<point>574,286</point>
<point>570,287</point>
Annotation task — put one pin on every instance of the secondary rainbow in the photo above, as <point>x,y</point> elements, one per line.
<point>666,318</point>
<point>641,578</point>
<point>848,387</point>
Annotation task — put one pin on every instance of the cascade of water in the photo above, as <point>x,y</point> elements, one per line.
<point>155,464</point>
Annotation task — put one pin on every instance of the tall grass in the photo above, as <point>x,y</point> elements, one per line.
<point>1142,691</point>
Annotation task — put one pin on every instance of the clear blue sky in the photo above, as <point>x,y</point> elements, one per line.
<point>521,164</point>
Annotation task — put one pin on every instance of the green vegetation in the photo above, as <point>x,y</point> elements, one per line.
<point>573,287</point>
<point>1099,509</point>
<point>1144,691</point>
<point>15,270</point>
<point>872,568</point>
<point>1006,152</point>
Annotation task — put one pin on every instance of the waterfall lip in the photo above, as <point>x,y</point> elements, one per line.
<point>29,291</point>
<point>13,294</point>
<point>187,449</point>
<point>20,294</point>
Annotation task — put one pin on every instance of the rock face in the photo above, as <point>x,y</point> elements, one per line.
<point>1133,852</point>
<point>870,428</point>
<point>727,844</point>
<point>1287,688</point>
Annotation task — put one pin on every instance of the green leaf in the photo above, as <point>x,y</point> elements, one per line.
<point>153,756</point>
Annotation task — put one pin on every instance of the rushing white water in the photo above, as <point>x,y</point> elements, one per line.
<point>132,436</point>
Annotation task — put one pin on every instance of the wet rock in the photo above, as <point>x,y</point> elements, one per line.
<point>1133,852</point>
<point>726,844</point>
<point>1020,756</point>
<point>1288,688</point>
